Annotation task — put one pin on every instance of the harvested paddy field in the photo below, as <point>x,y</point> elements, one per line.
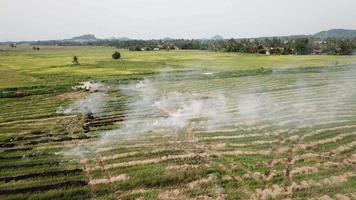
<point>173,125</point>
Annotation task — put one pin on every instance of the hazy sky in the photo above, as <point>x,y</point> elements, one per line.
<point>145,19</point>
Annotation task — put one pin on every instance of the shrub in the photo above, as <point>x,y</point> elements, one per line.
<point>116,55</point>
<point>75,60</point>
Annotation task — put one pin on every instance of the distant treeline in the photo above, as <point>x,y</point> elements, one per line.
<point>279,46</point>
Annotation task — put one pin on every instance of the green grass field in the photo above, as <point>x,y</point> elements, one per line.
<point>286,128</point>
<point>25,67</point>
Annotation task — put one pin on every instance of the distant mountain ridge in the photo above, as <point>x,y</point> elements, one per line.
<point>336,33</point>
<point>217,38</point>
<point>84,38</point>
<point>322,35</point>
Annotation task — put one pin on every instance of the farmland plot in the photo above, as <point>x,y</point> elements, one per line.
<point>286,134</point>
<point>263,134</point>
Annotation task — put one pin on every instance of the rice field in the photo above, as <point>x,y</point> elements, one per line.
<point>174,125</point>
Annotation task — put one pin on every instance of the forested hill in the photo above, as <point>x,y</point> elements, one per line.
<point>84,38</point>
<point>335,33</point>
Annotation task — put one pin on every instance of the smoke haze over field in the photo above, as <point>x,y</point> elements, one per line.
<point>286,100</point>
<point>146,19</point>
<point>93,103</point>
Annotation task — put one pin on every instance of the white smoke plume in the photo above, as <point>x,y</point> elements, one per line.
<point>153,110</point>
<point>91,104</point>
<point>160,105</point>
<point>94,103</point>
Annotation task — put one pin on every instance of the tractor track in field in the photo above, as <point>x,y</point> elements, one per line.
<point>50,163</point>
<point>42,174</point>
<point>43,188</point>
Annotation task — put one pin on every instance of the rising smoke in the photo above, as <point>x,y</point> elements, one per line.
<point>160,105</point>
<point>94,103</point>
<point>154,110</point>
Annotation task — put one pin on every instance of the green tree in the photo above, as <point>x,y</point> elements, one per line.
<point>116,55</point>
<point>261,49</point>
<point>233,46</point>
<point>302,46</point>
<point>344,47</point>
